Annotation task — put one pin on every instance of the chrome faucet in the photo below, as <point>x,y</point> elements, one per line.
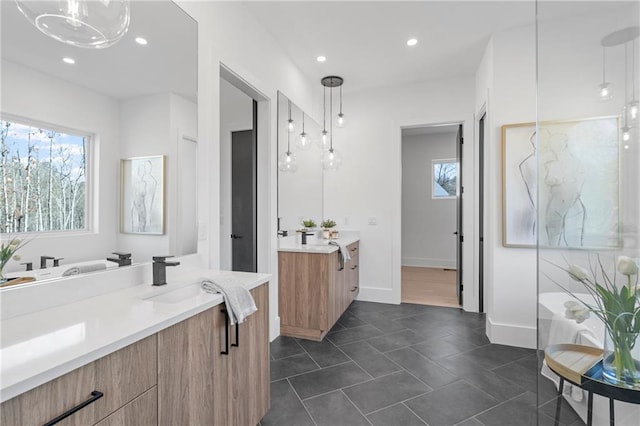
<point>160,269</point>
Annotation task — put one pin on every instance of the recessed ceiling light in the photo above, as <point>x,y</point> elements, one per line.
<point>69,61</point>
<point>142,41</point>
<point>412,42</point>
<point>321,58</point>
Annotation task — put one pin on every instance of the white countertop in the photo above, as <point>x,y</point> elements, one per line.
<point>40,346</point>
<point>314,244</point>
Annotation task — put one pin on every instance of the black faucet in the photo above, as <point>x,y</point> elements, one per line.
<point>304,235</point>
<point>43,261</point>
<point>56,261</point>
<point>160,269</point>
<point>28,265</point>
<point>123,259</point>
<point>283,233</point>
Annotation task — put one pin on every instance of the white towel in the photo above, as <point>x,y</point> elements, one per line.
<point>343,249</point>
<point>83,269</point>
<point>565,330</point>
<point>240,303</point>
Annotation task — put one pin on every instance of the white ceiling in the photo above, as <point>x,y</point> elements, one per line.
<point>365,41</point>
<point>167,64</point>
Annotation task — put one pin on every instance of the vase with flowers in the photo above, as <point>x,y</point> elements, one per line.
<point>7,252</point>
<point>616,302</point>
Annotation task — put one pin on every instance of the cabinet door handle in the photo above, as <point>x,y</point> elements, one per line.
<point>354,267</point>
<point>95,395</point>
<point>226,333</point>
<point>237,343</point>
<point>354,289</point>
<point>354,249</point>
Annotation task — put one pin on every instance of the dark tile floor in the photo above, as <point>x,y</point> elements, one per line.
<point>397,365</point>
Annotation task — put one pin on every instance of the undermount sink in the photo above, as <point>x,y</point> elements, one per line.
<point>174,296</point>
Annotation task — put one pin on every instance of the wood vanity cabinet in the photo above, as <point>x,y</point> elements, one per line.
<point>314,290</point>
<point>199,384</point>
<point>121,377</point>
<point>177,376</point>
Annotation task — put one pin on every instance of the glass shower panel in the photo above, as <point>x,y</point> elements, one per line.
<point>588,207</point>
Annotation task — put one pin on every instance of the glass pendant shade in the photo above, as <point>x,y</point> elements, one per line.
<point>303,141</point>
<point>287,162</point>
<point>605,91</point>
<point>342,121</point>
<point>634,110</point>
<point>331,159</point>
<point>324,141</point>
<point>93,24</point>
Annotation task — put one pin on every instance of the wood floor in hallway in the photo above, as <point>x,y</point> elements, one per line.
<point>429,286</point>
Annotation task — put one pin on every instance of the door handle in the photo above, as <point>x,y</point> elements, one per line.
<point>226,333</point>
<point>455,233</point>
<point>236,237</point>
<point>95,395</point>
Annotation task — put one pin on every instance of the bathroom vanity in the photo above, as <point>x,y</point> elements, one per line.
<point>138,355</point>
<point>315,286</point>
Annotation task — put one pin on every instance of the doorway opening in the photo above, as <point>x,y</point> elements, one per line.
<point>243,158</point>
<point>431,268</point>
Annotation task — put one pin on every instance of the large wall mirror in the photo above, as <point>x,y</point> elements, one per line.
<point>300,187</point>
<point>133,99</point>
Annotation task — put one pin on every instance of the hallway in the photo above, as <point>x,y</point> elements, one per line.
<point>429,286</point>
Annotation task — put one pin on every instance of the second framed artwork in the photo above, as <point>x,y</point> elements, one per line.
<point>142,201</point>
<point>561,188</point>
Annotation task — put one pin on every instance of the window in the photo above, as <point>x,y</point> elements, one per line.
<point>43,172</point>
<point>445,178</point>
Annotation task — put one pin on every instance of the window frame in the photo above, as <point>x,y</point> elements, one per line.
<point>433,179</point>
<point>90,198</point>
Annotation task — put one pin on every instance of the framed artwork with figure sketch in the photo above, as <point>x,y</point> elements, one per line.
<point>142,195</point>
<point>561,184</point>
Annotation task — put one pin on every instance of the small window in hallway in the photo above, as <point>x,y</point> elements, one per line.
<point>445,178</point>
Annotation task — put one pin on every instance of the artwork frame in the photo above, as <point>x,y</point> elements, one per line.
<point>142,201</point>
<point>578,186</point>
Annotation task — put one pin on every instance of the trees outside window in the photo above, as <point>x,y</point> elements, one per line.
<point>43,179</point>
<point>445,179</point>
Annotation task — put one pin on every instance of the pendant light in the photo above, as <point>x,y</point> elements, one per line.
<point>605,90</point>
<point>303,140</point>
<point>287,160</point>
<point>290,126</point>
<point>341,119</point>
<point>323,140</point>
<point>82,23</point>
<point>634,105</point>
<point>331,159</point>
<point>626,130</point>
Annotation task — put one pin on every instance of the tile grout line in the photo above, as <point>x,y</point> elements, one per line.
<point>302,403</point>
<point>356,407</point>
<point>414,413</point>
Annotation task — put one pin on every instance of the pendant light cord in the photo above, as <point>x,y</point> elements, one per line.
<point>324,109</point>
<point>331,118</point>
<point>633,69</point>
<point>626,78</point>
<point>604,79</point>
<point>341,99</point>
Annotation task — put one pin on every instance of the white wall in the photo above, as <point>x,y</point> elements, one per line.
<point>228,34</point>
<point>236,113</point>
<point>427,223</point>
<point>36,96</point>
<point>369,183</point>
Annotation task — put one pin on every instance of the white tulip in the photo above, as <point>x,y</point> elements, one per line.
<point>578,273</point>
<point>627,266</point>
<point>576,311</point>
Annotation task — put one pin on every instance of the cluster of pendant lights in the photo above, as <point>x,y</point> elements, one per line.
<point>631,109</point>
<point>331,158</point>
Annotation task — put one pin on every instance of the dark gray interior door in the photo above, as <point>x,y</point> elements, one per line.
<point>243,200</point>
<point>459,143</point>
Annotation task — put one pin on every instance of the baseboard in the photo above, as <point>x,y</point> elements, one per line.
<point>429,263</point>
<point>274,328</point>
<point>512,335</point>
<point>376,294</point>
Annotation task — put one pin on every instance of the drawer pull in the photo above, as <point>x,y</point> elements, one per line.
<point>354,289</point>
<point>95,395</point>
<point>237,343</point>
<point>226,333</point>
<point>354,267</point>
<point>354,249</point>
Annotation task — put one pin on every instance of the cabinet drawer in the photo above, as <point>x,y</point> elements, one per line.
<point>120,377</point>
<point>142,411</point>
